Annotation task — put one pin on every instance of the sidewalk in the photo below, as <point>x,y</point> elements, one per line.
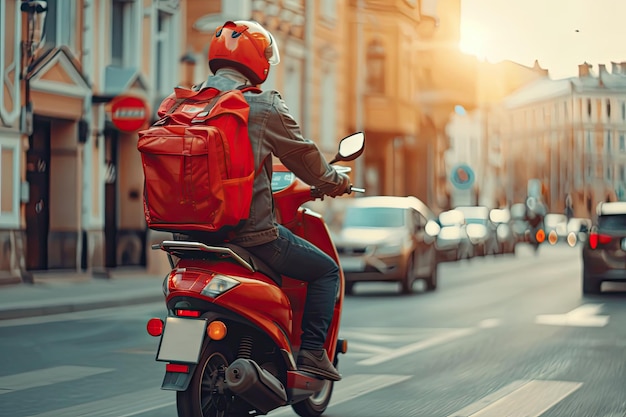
<point>54,293</point>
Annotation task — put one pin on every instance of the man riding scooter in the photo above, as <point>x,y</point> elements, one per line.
<point>240,53</point>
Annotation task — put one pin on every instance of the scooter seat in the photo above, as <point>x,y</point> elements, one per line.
<point>257,263</point>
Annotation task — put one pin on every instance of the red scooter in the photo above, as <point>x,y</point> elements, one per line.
<point>232,334</point>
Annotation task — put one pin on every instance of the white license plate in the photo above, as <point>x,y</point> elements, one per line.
<point>352,264</point>
<point>182,340</point>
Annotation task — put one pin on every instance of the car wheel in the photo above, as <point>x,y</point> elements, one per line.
<point>409,279</point>
<point>348,287</point>
<point>431,281</point>
<point>590,286</point>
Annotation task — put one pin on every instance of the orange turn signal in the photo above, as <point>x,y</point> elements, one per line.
<point>540,235</point>
<point>216,330</point>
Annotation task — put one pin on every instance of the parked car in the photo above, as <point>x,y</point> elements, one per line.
<point>501,219</point>
<point>577,230</point>
<point>480,229</point>
<point>384,238</point>
<point>519,225</point>
<point>604,252</point>
<point>555,227</point>
<point>452,242</point>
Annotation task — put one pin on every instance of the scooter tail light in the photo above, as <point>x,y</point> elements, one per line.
<point>218,285</point>
<point>155,327</point>
<point>187,313</point>
<point>177,367</point>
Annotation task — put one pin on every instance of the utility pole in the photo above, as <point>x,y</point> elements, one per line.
<point>359,178</point>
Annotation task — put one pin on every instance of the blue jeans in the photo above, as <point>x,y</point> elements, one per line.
<point>296,258</point>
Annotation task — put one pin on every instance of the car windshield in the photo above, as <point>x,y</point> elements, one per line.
<point>612,222</point>
<point>374,217</point>
<point>470,220</point>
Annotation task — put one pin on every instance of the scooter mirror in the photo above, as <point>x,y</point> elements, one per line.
<point>350,147</point>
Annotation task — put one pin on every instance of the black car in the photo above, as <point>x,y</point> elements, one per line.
<point>604,252</point>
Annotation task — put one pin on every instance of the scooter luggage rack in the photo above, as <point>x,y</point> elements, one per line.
<point>172,247</point>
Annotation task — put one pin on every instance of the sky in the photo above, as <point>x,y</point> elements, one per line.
<point>560,34</point>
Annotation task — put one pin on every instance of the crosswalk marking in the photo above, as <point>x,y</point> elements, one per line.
<point>47,376</point>
<point>520,399</point>
<point>352,387</point>
<point>140,402</point>
<point>125,405</point>
<point>421,345</point>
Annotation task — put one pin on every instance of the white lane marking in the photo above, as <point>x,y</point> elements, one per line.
<point>583,316</point>
<point>125,405</point>
<point>363,348</point>
<point>47,376</point>
<point>489,323</point>
<point>352,387</point>
<point>421,345</point>
<point>520,399</point>
<point>140,402</point>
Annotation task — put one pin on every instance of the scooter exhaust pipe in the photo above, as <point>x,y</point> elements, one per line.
<point>246,379</point>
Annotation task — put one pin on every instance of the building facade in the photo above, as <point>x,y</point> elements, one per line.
<point>70,173</point>
<point>71,177</point>
<point>576,128</point>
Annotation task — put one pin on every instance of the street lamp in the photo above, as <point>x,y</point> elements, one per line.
<point>36,17</point>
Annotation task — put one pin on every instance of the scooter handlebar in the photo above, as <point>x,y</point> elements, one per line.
<point>316,193</point>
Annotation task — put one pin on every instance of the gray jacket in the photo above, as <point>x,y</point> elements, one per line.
<point>273,131</point>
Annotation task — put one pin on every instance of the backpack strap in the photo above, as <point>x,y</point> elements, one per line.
<point>249,88</point>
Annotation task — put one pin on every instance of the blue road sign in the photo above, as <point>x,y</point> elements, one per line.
<point>462,177</point>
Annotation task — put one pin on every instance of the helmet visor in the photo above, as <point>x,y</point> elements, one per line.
<point>255,31</point>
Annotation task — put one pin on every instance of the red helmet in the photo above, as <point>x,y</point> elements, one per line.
<point>245,46</point>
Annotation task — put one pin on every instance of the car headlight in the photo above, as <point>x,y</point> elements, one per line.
<point>218,285</point>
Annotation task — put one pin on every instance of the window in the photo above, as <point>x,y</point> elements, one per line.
<point>293,86</point>
<point>9,62</point>
<point>60,24</point>
<point>622,173</point>
<point>622,143</point>
<point>623,110</point>
<point>329,9</point>
<point>124,34</point>
<point>588,146</point>
<point>608,109</point>
<point>375,76</point>
<point>609,142</point>
<point>9,183</point>
<point>328,110</point>
<point>165,69</point>
<point>589,108</point>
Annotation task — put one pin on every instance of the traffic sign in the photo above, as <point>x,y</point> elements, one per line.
<point>129,113</point>
<point>462,176</point>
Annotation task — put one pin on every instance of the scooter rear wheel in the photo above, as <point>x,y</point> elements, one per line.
<point>316,404</point>
<point>203,397</point>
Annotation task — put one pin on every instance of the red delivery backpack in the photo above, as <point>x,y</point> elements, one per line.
<point>198,162</point>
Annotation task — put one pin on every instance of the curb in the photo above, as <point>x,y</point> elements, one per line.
<point>44,310</point>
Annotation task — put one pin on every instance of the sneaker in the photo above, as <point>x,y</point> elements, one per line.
<point>316,362</point>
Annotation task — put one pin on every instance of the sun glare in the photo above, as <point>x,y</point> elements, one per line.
<point>473,41</point>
